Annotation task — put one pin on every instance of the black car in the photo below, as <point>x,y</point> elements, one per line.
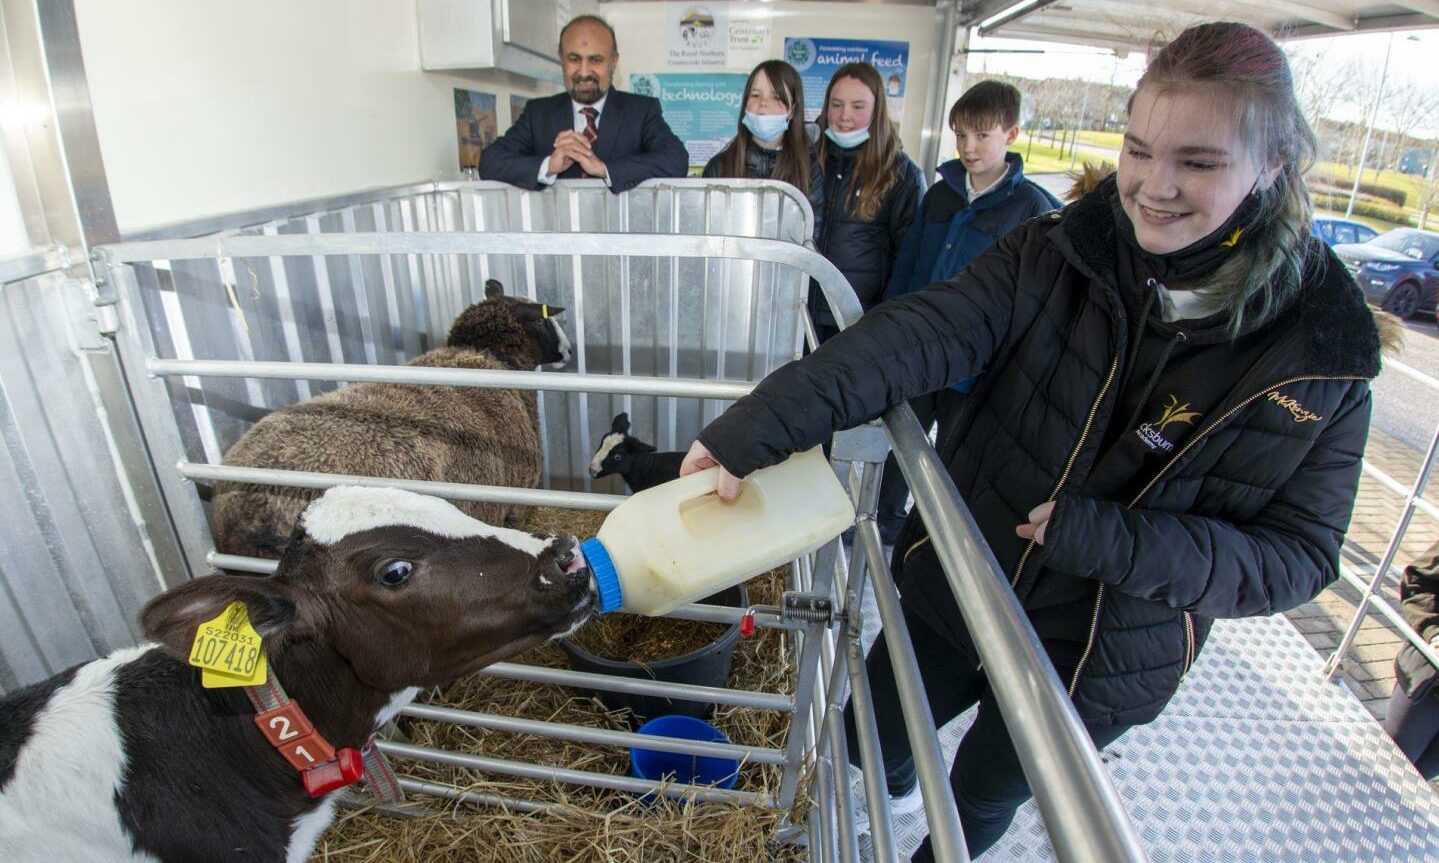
<point>1398,270</point>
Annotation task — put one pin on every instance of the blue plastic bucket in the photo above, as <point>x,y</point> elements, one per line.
<point>682,768</point>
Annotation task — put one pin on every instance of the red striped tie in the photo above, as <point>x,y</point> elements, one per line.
<point>591,131</point>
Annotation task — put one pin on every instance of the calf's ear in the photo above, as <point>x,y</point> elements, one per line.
<point>172,617</point>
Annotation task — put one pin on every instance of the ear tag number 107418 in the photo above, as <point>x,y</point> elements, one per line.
<point>228,650</point>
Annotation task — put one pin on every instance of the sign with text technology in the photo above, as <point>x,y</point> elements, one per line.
<point>702,108</point>
<point>816,60</point>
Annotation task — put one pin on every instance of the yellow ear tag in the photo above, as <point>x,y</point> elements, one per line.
<point>545,312</point>
<point>229,650</point>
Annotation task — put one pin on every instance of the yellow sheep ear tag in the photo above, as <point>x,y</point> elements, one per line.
<point>545,312</point>
<point>228,650</point>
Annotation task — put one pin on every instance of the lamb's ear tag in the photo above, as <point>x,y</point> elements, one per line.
<point>228,650</point>
<point>545,312</point>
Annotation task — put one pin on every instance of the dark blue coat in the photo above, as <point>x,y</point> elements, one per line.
<point>952,231</point>
<point>635,142</point>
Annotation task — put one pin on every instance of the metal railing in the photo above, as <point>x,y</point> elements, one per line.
<point>1369,591</point>
<point>37,262</point>
<point>1075,794</point>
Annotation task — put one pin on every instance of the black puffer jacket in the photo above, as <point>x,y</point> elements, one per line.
<point>1245,518</point>
<point>864,251</point>
<point>1419,600</point>
<point>760,163</point>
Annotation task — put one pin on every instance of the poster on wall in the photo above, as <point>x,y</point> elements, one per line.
<point>817,59</point>
<point>475,125</point>
<point>750,38</point>
<point>517,107</point>
<point>698,34</point>
<point>701,107</point>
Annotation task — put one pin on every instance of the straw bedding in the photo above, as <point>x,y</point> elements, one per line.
<point>590,825</point>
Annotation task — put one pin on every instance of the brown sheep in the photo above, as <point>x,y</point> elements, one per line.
<point>438,433</point>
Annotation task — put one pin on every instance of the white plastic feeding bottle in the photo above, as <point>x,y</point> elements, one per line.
<point>677,542</point>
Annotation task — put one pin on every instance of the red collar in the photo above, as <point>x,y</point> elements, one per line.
<point>322,767</point>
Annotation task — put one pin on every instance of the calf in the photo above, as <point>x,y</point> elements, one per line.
<point>378,593</point>
<point>620,452</point>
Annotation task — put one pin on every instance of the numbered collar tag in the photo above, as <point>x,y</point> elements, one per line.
<point>229,650</point>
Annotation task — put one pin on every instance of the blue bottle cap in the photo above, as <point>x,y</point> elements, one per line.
<point>603,570</point>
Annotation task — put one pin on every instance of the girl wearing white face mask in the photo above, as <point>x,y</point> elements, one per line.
<point>1168,430</point>
<point>871,188</point>
<point>772,141</point>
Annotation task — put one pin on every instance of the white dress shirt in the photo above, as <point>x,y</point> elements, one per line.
<point>546,178</point>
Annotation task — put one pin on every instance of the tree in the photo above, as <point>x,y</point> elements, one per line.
<point>1409,105</point>
<point>1429,190</point>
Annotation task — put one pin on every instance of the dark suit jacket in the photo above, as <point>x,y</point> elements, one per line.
<point>635,142</point>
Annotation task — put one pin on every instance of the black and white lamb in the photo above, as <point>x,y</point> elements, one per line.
<point>439,433</point>
<point>638,462</point>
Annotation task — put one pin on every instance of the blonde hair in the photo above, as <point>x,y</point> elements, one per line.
<point>1242,67</point>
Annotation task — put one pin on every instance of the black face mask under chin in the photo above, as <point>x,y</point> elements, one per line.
<point>1198,259</point>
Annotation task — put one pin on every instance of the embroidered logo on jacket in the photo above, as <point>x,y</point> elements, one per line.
<point>1153,433</point>
<point>1301,414</point>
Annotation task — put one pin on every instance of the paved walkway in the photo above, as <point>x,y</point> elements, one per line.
<point>1369,668</point>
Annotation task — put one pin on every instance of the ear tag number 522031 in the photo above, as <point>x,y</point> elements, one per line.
<point>228,650</point>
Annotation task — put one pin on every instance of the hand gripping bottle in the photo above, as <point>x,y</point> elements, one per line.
<point>677,542</point>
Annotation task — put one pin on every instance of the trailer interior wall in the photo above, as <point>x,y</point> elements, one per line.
<point>206,108</point>
<point>642,29</point>
<point>12,224</point>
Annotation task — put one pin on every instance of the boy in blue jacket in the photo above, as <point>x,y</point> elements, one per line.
<point>981,196</point>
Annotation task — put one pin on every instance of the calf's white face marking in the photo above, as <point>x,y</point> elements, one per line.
<point>346,510</point>
<point>60,803</point>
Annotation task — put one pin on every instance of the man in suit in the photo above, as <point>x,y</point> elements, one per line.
<point>589,131</point>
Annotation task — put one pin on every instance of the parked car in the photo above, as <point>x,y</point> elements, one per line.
<point>1398,270</point>
<point>1336,231</point>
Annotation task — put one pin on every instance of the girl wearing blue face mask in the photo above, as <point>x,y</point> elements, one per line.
<point>772,141</point>
<point>871,188</point>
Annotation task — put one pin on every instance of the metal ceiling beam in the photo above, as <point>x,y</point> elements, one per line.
<point>1305,12</point>
<point>1209,11</point>
<point>1015,15</point>
<point>1423,7</point>
<point>972,14</point>
<point>1120,43</point>
<point>1371,24</point>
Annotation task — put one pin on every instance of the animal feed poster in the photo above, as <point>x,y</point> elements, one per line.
<point>817,59</point>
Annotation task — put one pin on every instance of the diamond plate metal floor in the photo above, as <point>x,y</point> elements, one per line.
<point>1256,759</point>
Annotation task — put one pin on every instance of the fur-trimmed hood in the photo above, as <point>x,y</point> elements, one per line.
<point>1340,334</point>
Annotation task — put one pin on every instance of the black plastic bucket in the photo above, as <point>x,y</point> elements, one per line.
<point>708,666</point>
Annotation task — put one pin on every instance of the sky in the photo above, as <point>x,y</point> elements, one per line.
<point>1412,58</point>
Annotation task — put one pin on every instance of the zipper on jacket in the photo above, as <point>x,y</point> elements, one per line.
<point>1188,619</point>
<point>1188,643</point>
<point>1089,643</point>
